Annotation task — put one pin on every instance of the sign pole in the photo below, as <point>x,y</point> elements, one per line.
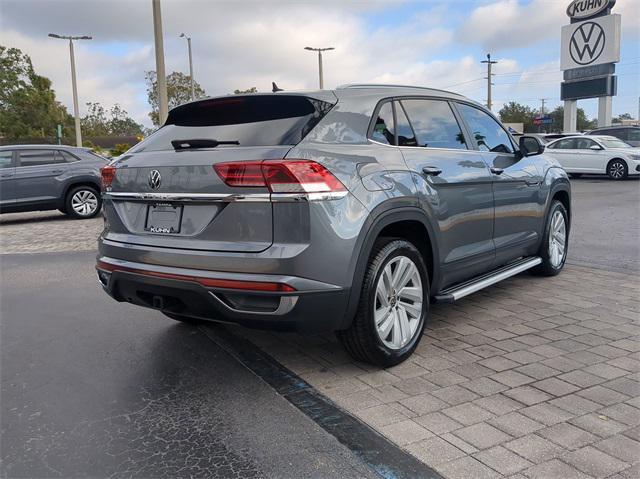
<point>570,116</point>
<point>604,111</point>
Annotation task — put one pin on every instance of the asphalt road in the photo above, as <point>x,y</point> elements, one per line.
<point>605,230</point>
<point>95,388</point>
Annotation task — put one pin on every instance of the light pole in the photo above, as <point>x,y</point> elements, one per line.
<point>193,92</point>
<point>161,78</point>
<point>74,85</point>
<point>320,50</point>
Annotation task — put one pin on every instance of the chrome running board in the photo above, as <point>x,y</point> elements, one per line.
<point>461,290</point>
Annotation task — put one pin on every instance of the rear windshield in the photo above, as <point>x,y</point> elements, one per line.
<point>269,120</point>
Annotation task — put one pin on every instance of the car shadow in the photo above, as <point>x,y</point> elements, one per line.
<point>40,217</point>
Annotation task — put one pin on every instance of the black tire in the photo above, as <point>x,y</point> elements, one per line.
<point>89,190</point>
<point>617,169</point>
<point>547,267</point>
<point>361,339</point>
<point>182,319</point>
<point>575,175</point>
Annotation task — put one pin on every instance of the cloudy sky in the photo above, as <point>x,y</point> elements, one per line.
<point>243,44</point>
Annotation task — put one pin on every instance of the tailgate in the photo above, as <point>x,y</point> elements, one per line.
<point>175,199</point>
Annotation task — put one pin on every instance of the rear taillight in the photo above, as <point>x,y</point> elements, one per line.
<point>280,176</point>
<point>107,175</point>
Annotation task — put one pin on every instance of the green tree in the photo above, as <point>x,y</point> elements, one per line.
<point>178,91</point>
<point>114,122</point>
<point>624,116</point>
<point>514,112</point>
<point>28,105</point>
<point>583,123</point>
<point>242,92</point>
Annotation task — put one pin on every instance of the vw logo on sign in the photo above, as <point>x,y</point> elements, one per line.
<point>587,43</point>
<point>155,179</point>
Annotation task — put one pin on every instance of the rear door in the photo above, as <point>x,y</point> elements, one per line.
<point>7,178</point>
<point>453,184</point>
<point>168,194</point>
<point>39,175</point>
<point>519,208</point>
<point>565,153</point>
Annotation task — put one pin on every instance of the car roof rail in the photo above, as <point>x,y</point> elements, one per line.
<point>386,85</point>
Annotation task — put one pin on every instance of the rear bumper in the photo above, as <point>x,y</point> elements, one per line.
<point>292,304</point>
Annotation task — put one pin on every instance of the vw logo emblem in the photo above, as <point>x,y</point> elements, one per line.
<point>587,43</point>
<point>155,179</point>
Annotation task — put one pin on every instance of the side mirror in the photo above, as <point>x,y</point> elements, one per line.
<point>530,146</point>
<point>595,148</point>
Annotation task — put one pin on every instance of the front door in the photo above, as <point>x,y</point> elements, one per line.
<point>7,177</point>
<point>37,176</point>
<point>519,208</point>
<point>453,184</point>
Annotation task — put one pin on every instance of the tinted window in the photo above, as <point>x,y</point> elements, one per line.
<point>405,133</point>
<point>434,124</point>
<point>584,143</point>
<point>566,144</point>
<point>67,157</point>
<point>251,120</point>
<point>6,159</point>
<point>488,133</point>
<point>383,130</point>
<point>37,157</point>
<point>633,134</point>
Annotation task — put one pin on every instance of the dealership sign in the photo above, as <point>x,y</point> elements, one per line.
<point>592,42</point>
<point>581,9</point>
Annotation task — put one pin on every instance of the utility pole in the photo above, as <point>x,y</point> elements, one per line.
<point>161,78</point>
<point>193,92</point>
<point>542,100</point>
<point>74,85</point>
<point>320,50</point>
<point>489,62</point>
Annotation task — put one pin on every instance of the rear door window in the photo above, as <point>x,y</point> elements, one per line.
<point>261,120</point>
<point>37,157</point>
<point>434,124</point>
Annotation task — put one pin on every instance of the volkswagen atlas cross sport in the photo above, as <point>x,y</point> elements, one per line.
<point>347,210</point>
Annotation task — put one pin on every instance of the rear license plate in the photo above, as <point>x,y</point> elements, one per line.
<point>164,219</point>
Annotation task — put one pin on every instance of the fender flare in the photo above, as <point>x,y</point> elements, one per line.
<point>384,215</point>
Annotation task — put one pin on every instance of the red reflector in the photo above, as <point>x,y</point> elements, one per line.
<point>206,282</point>
<point>107,174</point>
<point>280,176</point>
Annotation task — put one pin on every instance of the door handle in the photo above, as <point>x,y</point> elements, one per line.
<point>431,170</point>
<point>56,172</point>
<point>6,175</point>
<point>496,171</point>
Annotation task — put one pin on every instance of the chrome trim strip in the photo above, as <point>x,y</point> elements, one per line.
<point>286,304</point>
<point>465,290</point>
<point>224,197</point>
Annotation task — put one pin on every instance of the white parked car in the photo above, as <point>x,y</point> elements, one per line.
<point>596,155</point>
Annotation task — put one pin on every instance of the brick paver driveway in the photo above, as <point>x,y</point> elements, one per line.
<point>534,377</point>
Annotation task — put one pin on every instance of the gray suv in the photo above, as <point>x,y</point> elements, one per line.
<point>49,177</point>
<point>347,210</point>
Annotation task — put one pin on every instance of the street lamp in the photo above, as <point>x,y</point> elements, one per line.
<point>193,92</point>
<point>320,50</point>
<point>74,86</point>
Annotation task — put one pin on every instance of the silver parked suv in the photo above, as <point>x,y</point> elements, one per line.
<point>346,210</point>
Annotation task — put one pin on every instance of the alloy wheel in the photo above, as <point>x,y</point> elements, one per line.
<point>84,202</point>
<point>398,302</point>
<point>616,170</point>
<point>557,239</point>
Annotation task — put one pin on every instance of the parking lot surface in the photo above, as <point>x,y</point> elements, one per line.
<point>534,377</point>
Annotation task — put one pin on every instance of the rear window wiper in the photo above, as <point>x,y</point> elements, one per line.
<point>200,143</point>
